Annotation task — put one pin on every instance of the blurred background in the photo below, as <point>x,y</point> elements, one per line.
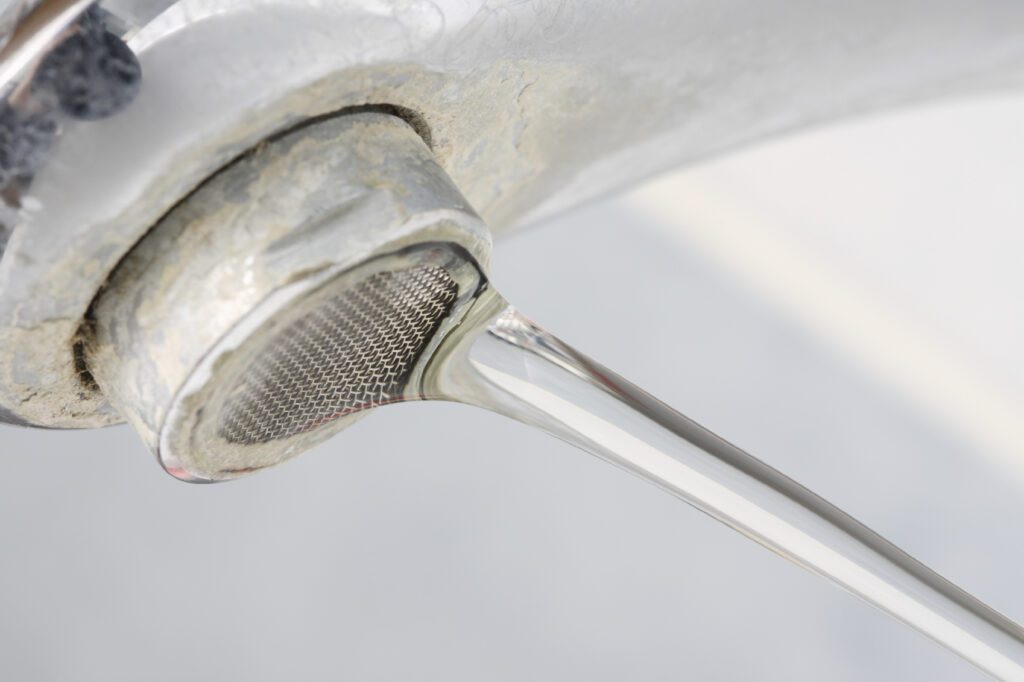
<point>844,304</point>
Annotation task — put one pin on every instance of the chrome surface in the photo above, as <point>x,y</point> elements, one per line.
<point>35,34</point>
<point>284,236</point>
<point>250,227</point>
<point>531,107</point>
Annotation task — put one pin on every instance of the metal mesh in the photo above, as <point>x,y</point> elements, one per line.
<point>354,351</point>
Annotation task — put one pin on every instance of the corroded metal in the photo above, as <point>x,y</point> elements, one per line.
<point>256,293</point>
<point>531,108</point>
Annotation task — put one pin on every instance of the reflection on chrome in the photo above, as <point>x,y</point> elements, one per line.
<point>71,66</point>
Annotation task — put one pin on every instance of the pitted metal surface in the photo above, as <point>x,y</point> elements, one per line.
<point>354,351</point>
<point>532,107</point>
<point>207,337</point>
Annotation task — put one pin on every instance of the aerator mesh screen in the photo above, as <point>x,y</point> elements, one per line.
<point>353,351</point>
